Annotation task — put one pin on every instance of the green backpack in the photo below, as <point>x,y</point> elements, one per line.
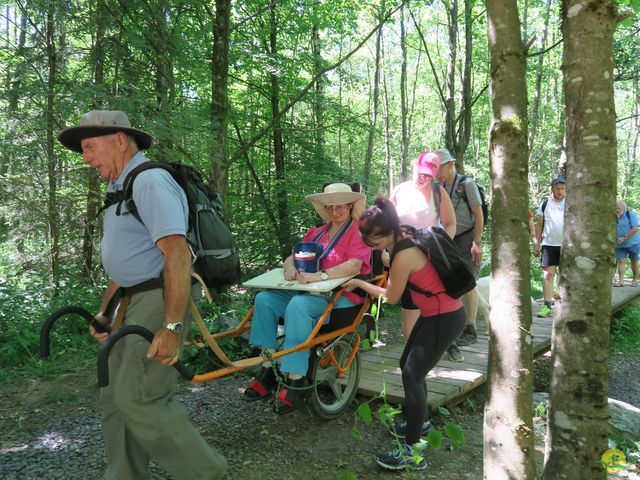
<point>216,258</point>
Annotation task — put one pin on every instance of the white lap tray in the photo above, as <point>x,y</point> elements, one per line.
<point>274,280</point>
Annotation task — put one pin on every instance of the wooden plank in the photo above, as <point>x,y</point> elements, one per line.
<point>448,381</point>
<point>396,394</point>
<point>440,379</point>
<point>476,358</point>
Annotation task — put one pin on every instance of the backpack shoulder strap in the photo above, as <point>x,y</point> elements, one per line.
<point>127,186</point>
<point>544,205</point>
<point>436,197</point>
<point>403,244</point>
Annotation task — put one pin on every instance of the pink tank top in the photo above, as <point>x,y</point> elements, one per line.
<point>427,279</point>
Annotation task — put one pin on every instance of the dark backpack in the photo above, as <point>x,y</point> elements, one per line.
<point>216,258</point>
<point>483,204</point>
<point>453,269</point>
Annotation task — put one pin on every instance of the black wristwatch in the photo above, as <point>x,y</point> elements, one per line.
<point>175,327</point>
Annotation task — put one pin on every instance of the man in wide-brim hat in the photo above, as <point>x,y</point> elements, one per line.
<point>149,264</point>
<point>97,123</point>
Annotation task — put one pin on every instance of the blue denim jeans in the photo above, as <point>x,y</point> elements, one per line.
<point>301,312</point>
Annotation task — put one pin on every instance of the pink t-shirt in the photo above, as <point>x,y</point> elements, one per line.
<point>412,206</point>
<point>427,279</point>
<point>350,246</point>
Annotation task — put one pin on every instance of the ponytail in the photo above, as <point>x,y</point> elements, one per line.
<point>380,220</point>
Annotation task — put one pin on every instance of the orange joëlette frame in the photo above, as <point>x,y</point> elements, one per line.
<point>312,340</point>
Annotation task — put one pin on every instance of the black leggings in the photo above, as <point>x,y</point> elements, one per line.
<point>429,339</point>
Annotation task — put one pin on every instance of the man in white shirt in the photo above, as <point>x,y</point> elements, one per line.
<point>549,240</point>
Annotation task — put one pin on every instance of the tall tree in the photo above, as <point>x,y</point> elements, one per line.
<point>52,159</point>
<point>537,94</point>
<point>405,170</point>
<point>577,431</point>
<point>375,102</point>
<point>318,97</point>
<point>93,180</point>
<point>508,419</point>
<point>14,79</point>
<point>284,233</point>
<point>218,145</point>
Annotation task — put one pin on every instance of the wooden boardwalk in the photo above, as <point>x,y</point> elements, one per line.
<point>449,381</point>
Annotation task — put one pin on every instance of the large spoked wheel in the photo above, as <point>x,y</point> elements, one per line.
<point>332,395</point>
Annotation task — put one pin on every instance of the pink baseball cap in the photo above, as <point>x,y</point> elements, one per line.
<point>427,163</point>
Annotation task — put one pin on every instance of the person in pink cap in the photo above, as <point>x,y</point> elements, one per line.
<point>421,203</point>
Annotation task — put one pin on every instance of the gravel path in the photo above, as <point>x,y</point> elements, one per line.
<point>257,443</point>
<point>49,434</point>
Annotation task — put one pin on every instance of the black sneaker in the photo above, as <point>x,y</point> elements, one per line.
<point>399,429</point>
<point>401,458</point>
<point>468,337</point>
<point>454,353</point>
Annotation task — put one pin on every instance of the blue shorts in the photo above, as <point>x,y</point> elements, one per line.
<point>632,252</point>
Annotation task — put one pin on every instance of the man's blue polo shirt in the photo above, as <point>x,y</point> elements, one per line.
<point>129,251</point>
<point>624,225</point>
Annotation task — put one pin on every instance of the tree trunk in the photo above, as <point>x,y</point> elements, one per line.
<point>218,149</point>
<point>577,427</point>
<point>13,83</point>
<point>52,161</point>
<point>93,180</point>
<point>374,110</point>
<point>162,45</point>
<point>318,100</point>
<point>538,91</point>
<point>387,134</point>
<point>284,232</point>
<point>464,129</point>
<point>405,171</point>
<point>508,418</point>
<point>450,88</point>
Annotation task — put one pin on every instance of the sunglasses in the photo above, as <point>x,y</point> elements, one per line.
<point>338,208</point>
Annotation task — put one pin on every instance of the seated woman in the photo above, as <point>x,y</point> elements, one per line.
<point>442,319</point>
<point>340,207</point>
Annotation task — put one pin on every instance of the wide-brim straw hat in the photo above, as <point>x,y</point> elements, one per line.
<point>337,194</point>
<point>98,123</point>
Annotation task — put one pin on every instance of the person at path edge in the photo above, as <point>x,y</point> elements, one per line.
<point>149,265</point>
<point>549,240</point>
<point>628,243</point>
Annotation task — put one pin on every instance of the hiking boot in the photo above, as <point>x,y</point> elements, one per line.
<point>545,311</point>
<point>454,353</point>
<point>262,387</point>
<point>401,458</point>
<point>468,337</point>
<point>399,429</point>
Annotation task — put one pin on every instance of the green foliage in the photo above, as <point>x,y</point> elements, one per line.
<point>434,439</point>
<point>625,337</point>
<point>346,476</point>
<point>26,299</point>
<point>540,410</point>
<point>455,434</point>
<point>364,413</point>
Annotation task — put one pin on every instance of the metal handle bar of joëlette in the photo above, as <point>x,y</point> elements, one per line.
<point>105,350</point>
<point>61,312</point>
<point>103,373</point>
